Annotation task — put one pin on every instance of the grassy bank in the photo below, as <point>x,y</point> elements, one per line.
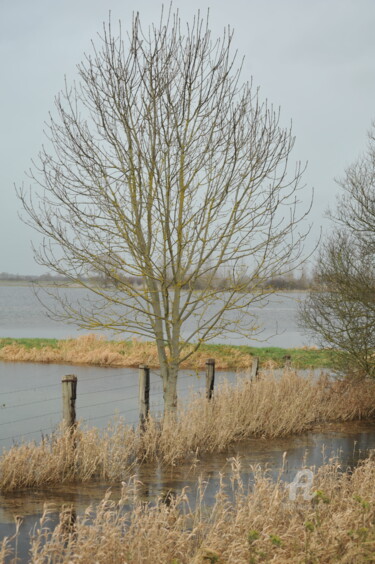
<point>268,407</point>
<point>261,524</point>
<point>93,350</point>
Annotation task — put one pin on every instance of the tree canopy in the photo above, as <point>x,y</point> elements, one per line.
<point>162,166</point>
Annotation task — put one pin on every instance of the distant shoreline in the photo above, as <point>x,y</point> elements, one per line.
<point>46,284</point>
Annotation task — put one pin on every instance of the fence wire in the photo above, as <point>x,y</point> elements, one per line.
<point>191,381</point>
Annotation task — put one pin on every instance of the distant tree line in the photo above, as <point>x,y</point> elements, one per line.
<point>291,281</point>
<point>32,277</point>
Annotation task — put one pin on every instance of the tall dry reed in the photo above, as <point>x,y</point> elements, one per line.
<point>245,525</point>
<point>269,407</point>
<point>96,350</point>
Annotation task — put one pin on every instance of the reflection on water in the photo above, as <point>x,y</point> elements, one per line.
<point>347,443</point>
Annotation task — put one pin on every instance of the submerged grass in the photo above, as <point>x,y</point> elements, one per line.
<point>268,407</point>
<point>246,525</point>
<point>94,350</point>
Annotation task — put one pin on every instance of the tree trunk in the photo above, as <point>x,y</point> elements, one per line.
<point>170,391</point>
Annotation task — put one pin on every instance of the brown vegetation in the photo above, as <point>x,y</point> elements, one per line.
<point>246,525</point>
<point>268,407</point>
<point>95,350</point>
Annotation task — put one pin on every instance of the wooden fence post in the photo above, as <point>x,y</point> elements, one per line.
<point>254,368</point>
<point>69,395</point>
<point>210,377</point>
<point>144,394</point>
<point>287,361</point>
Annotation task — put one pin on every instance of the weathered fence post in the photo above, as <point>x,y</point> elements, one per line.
<point>69,396</point>
<point>287,361</point>
<point>144,394</point>
<point>254,368</point>
<point>210,377</point>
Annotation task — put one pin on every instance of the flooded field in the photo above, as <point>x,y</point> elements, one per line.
<point>30,408</point>
<point>347,443</point>
<point>31,400</point>
<point>22,315</point>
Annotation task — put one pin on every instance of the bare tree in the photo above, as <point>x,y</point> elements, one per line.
<point>163,161</point>
<point>340,311</point>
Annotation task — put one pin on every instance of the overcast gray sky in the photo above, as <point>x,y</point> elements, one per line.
<point>314,59</point>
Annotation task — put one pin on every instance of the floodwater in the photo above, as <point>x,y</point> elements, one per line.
<point>22,315</point>
<point>346,443</point>
<point>31,399</point>
<point>31,404</point>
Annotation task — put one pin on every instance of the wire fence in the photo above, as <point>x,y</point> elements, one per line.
<point>28,412</point>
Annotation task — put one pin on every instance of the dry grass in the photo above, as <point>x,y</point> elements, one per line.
<point>246,525</point>
<point>94,350</point>
<point>87,349</point>
<point>269,407</point>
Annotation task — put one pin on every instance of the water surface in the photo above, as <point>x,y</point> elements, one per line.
<point>22,315</point>
<point>347,443</point>
<point>31,396</point>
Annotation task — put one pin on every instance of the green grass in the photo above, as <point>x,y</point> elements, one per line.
<point>30,343</point>
<point>300,358</point>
